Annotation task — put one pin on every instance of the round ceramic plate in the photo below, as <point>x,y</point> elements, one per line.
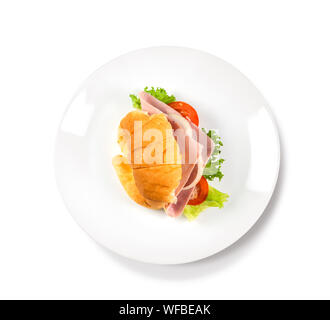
<point>224,99</point>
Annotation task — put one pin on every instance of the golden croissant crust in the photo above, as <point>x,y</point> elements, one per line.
<point>152,165</point>
<point>125,175</point>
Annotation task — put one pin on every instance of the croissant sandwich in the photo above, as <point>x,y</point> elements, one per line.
<point>163,156</point>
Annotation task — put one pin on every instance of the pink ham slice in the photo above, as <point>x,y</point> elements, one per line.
<point>190,171</point>
<point>151,103</point>
<point>187,168</point>
<point>195,175</point>
<point>176,209</point>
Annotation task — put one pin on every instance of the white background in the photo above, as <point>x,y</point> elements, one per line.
<point>47,48</point>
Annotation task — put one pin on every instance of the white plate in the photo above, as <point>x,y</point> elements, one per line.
<point>224,99</point>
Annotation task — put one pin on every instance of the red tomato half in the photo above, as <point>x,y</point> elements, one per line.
<point>186,110</point>
<point>200,192</point>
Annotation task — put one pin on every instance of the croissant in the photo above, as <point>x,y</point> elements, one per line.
<point>125,175</point>
<point>150,169</point>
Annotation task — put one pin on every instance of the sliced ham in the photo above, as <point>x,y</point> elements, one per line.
<point>195,146</point>
<point>187,168</point>
<point>148,107</point>
<point>176,209</point>
<point>177,121</point>
<point>161,106</point>
<point>198,133</point>
<point>195,175</point>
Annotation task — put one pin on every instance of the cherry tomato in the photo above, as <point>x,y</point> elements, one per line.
<point>186,110</point>
<point>200,192</point>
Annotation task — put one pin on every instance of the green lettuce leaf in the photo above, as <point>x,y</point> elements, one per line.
<point>158,93</point>
<point>212,169</point>
<point>215,198</point>
<point>135,101</point>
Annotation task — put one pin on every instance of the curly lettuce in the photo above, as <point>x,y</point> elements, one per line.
<point>215,198</point>
<point>212,169</point>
